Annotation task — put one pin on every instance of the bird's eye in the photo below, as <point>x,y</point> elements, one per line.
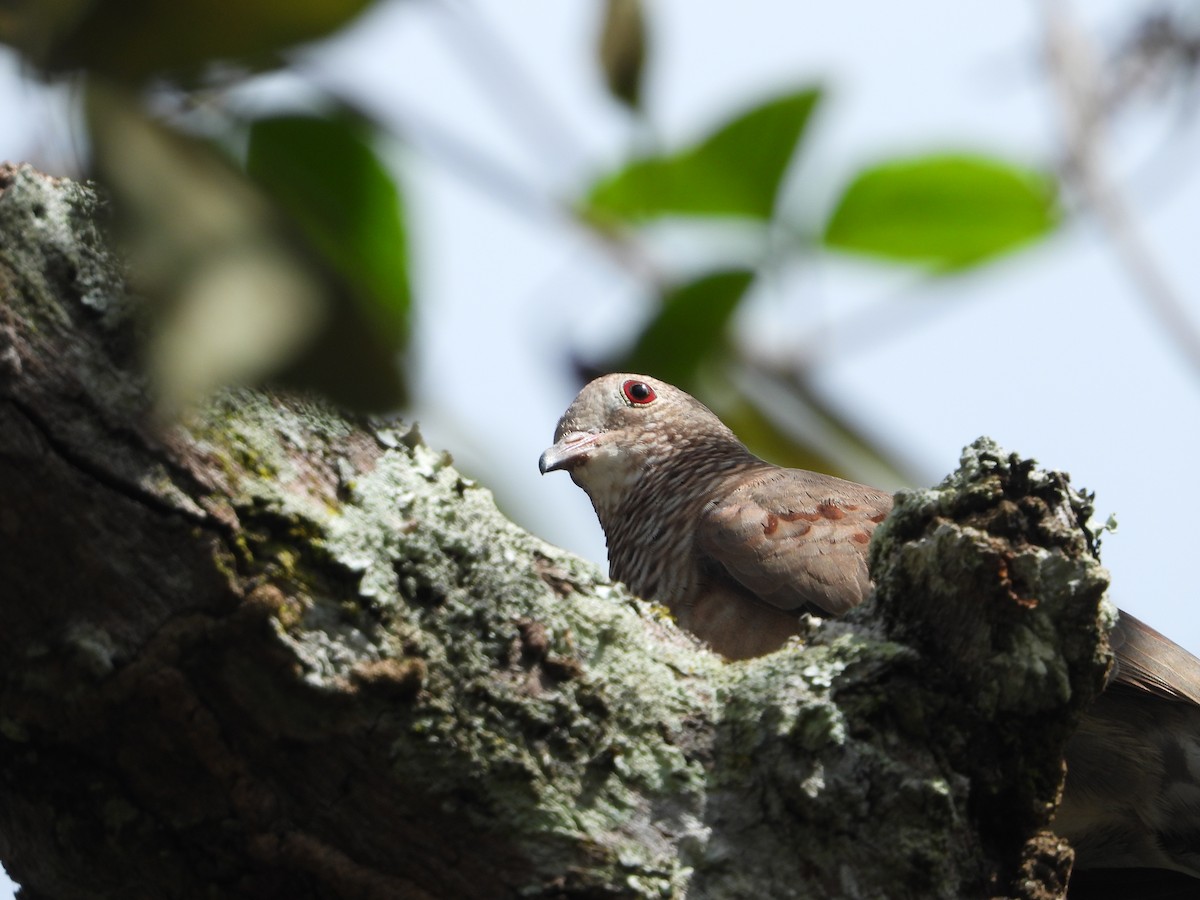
<point>638,392</point>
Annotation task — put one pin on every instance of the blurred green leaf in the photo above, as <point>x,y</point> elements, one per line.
<point>622,49</point>
<point>943,211</point>
<point>777,407</point>
<point>33,26</point>
<point>230,298</point>
<point>689,329</point>
<point>765,439</point>
<point>134,39</point>
<point>326,176</point>
<point>736,171</point>
<point>348,363</point>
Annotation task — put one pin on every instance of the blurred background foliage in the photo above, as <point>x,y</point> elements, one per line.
<point>271,243</point>
<point>269,236</point>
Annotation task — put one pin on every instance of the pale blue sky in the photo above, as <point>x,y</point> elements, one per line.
<point>1099,391</point>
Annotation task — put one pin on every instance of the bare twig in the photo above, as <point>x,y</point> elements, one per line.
<point>504,78</point>
<point>1075,75</point>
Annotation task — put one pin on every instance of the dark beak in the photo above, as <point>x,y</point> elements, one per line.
<point>570,451</point>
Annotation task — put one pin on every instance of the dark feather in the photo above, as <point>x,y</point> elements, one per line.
<point>1150,662</point>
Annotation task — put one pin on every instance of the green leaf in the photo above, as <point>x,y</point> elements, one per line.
<point>131,40</point>
<point>328,179</point>
<point>231,298</point>
<point>765,439</point>
<point>622,49</point>
<point>943,211</point>
<point>736,171</point>
<point>689,328</point>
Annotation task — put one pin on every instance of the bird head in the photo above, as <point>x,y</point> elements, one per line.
<point>622,427</point>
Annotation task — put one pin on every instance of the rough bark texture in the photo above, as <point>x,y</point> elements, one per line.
<point>272,652</point>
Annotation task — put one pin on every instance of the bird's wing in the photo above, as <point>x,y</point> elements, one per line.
<point>794,538</point>
<point>1150,662</point>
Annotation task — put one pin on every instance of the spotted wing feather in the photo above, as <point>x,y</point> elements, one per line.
<point>794,538</point>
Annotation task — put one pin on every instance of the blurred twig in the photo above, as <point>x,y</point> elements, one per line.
<point>1160,53</point>
<point>502,76</point>
<point>1075,75</point>
<point>789,399</point>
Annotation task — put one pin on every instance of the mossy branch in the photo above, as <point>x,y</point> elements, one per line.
<point>271,651</point>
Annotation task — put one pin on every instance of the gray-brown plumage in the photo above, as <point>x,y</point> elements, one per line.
<point>737,548</point>
<point>1133,768</point>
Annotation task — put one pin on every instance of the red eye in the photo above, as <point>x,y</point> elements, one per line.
<point>638,392</point>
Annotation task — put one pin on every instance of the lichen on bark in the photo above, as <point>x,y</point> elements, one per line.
<point>275,650</point>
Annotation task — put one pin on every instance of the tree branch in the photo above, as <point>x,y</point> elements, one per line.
<point>274,652</point>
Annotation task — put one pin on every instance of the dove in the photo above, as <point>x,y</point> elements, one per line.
<point>734,547</point>
<point>737,549</point>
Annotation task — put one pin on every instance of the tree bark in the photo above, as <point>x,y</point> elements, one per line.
<point>273,651</point>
